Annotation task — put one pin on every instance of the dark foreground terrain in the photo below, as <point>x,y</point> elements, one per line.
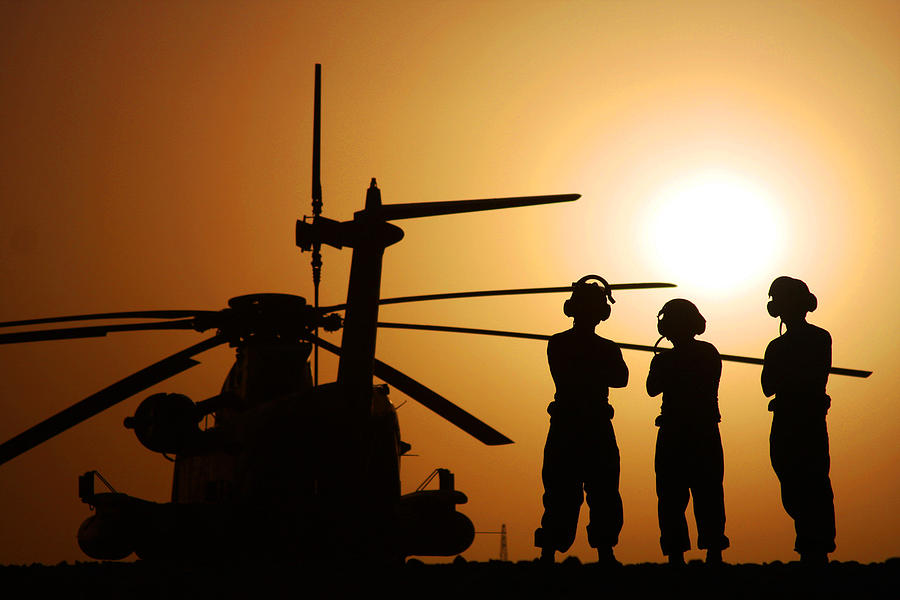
<point>460,579</point>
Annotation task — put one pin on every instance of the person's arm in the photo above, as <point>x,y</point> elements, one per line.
<point>553,362</point>
<point>825,358</point>
<point>715,372</point>
<point>617,375</point>
<point>560,362</point>
<point>769,377</point>
<point>656,376</point>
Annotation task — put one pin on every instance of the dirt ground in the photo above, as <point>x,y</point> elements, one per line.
<point>459,579</point>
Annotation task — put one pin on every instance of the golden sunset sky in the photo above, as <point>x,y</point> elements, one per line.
<point>156,155</point>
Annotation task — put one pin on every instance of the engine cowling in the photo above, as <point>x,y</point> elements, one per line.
<point>166,423</point>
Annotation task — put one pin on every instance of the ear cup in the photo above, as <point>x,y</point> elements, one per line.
<point>772,307</point>
<point>813,302</point>
<point>699,325</point>
<point>605,311</point>
<point>567,308</point>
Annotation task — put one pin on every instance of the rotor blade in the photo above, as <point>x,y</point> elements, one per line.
<point>514,334</point>
<point>832,370</point>
<point>624,346</point>
<point>105,398</point>
<point>86,332</point>
<point>393,212</point>
<point>429,399</point>
<point>317,204</point>
<point>749,360</point>
<point>135,314</point>
<point>509,292</point>
<point>317,144</point>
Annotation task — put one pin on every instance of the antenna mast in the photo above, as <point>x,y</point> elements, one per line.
<point>317,206</point>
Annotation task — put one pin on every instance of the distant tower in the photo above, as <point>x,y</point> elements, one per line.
<point>504,555</point>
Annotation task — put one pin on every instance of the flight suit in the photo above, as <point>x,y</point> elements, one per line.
<point>689,461</point>
<point>581,457</point>
<point>796,367</point>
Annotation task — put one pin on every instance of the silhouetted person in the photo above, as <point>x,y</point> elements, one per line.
<point>581,457</point>
<point>796,372</point>
<point>689,458</point>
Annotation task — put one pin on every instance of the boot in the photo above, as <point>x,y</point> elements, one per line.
<point>814,558</point>
<point>606,557</point>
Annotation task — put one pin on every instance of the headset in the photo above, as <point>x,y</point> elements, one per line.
<point>679,310</point>
<point>789,290</point>
<point>590,296</point>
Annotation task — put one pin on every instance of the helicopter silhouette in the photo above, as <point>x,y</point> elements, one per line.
<point>291,467</point>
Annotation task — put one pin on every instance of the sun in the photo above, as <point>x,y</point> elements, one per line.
<point>714,231</point>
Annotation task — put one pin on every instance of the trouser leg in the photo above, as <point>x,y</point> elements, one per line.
<point>709,494</point>
<point>814,523</point>
<point>801,461</point>
<point>601,486</point>
<point>562,495</point>
<point>673,493</point>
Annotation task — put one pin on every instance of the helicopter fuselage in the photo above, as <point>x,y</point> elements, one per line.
<point>275,475</point>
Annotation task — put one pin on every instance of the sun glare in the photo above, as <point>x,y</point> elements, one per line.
<point>713,231</point>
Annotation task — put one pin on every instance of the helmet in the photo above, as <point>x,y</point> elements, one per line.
<point>789,292</point>
<point>680,313</point>
<point>590,297</point>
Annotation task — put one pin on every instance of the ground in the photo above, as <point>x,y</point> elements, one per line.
<point>459,579</point>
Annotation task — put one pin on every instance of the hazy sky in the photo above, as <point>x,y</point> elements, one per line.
<point>156,155</point>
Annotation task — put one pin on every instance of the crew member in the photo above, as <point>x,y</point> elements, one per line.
<point>689,460</point>
<point>795,371</point>
<point>581,457</point>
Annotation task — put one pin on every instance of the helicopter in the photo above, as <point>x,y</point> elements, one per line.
<point>291,467</point>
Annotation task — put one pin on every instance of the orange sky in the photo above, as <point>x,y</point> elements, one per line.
<point>156,155</point>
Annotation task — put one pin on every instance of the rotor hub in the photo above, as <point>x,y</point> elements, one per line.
<point>268,318</point>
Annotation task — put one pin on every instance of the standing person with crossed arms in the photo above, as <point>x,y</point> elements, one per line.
<point>581,457</point>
